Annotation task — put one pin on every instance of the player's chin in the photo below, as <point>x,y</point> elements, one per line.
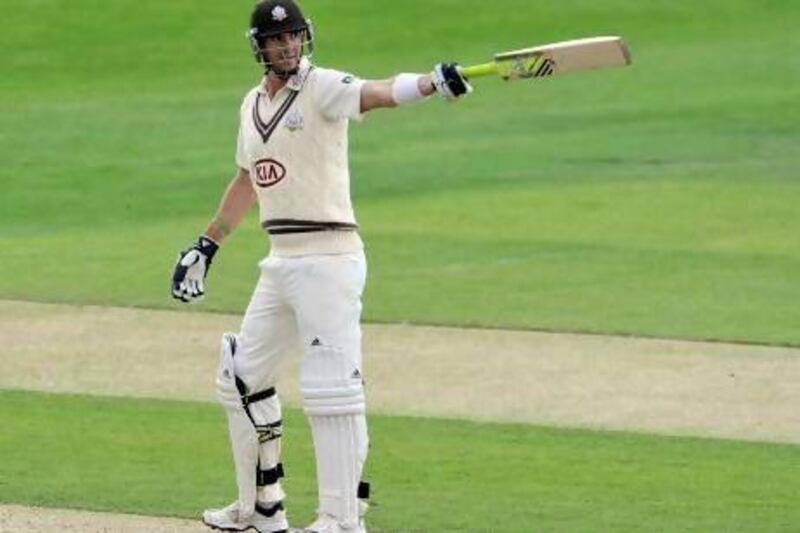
<point>289,64</point>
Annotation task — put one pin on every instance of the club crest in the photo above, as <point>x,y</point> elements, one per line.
<point>279,13</point>
<point>294,121</point>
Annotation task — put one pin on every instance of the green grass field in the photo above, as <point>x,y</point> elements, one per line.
<point>657,200</point>
<point>172,458</point>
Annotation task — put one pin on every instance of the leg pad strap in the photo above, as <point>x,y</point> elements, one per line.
<point>269,476</point>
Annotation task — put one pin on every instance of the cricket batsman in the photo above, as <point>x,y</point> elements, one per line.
<point>292,158</point>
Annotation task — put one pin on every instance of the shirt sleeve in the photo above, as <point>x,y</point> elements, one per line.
<point>338,94</point>
<point>241,154</point>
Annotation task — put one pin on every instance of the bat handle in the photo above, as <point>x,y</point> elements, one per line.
<point>476,71</point>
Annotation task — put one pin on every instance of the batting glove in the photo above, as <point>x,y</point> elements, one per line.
<point>188,280</point>
<point>449,82</point>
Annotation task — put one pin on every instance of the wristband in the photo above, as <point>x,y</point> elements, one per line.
<point>207,246</point>
<point>405,89</point>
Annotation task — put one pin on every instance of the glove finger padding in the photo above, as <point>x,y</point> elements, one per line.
<point>201,288</point>
<point>195,293</point>
<point>185,297</point>
<point>178,277</point>
<point>177,290</point>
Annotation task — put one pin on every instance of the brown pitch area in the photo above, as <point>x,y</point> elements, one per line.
<point>19,518</point>
<point>659,386</point>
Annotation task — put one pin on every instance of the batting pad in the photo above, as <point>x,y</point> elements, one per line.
<point>333,399</point>
<point>255,428</point>
<point>340,442</point>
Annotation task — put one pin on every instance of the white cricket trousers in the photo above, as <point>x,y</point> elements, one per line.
<point>313,299</point>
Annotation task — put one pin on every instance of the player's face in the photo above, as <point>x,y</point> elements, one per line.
<point>283,51</point>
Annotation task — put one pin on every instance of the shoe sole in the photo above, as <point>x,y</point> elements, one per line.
<point>248,528</point>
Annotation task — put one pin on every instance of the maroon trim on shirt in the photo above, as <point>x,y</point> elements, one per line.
<point>278,226</point>
<point>265,129</point>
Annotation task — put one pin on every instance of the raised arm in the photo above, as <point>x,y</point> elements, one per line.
<point>446,79</point>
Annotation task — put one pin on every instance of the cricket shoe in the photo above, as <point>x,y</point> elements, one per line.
<point>270,519</point>
<point>328,524</point>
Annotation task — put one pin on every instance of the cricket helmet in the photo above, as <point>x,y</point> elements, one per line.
<point>274,17</point>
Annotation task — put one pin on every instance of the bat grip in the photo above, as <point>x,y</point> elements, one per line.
<point>476,71</point>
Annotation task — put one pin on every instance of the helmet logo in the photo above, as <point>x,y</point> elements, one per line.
<point>279,13</point>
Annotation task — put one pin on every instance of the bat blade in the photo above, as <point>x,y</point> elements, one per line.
<point>555,59</point>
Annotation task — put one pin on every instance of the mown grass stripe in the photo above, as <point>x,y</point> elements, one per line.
<point>171,458</point>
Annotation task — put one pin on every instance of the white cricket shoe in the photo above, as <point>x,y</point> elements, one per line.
<point>328,524</point>
<point>264,519</point>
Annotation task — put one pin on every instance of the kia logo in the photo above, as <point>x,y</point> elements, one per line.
<point>269,172</point>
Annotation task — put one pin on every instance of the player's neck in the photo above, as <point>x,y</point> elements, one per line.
<point>274,84</point>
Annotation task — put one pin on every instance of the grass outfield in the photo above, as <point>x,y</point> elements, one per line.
<point>659,199</point>
<point>172,458</point>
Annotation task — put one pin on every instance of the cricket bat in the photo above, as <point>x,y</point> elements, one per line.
<point>555,58</point>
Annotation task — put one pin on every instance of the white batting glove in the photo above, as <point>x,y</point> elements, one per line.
<point>188,280</point>
<point>449,82</point>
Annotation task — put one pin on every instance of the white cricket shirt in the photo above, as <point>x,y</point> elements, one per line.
<point>295,148</point>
